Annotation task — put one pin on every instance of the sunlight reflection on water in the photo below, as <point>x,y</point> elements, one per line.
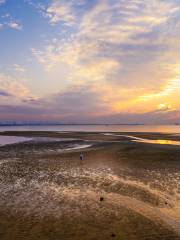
<point>159,141</point>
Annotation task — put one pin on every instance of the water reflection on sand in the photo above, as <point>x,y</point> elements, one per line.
<point>12,139</point>
<point>144,140</point>
<point>160,141</point>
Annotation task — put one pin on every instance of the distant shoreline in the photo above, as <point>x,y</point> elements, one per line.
<point>69,124</point>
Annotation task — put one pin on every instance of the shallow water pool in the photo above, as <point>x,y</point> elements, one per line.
<point>4,140</point>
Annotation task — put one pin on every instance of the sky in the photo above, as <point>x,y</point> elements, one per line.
<point>90,61</point>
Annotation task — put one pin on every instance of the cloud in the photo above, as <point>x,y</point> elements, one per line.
<point>20,112</point>
<point>2,1</point>
<point>14,25</point>
<point>60,12</point>
<point>4,93</point>
<point>164,107</point>
<point>63,12</point>
<point>154,117</point>
<point>14,88</point>
<point>107,58</point>
<point>107,25</point>
<point>93,100</point>
<point>38,113</point>
<point>19,68</point>
<point>115,32</point>
<point>79,104</point>
<point>7,21</point>
<point>120,21</point>
<point>122,49</point>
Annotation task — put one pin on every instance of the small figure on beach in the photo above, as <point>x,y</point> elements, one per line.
<point>81,156</point>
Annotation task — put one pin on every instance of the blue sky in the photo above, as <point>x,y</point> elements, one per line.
<point>85,61</point>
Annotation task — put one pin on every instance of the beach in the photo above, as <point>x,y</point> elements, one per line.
<point>123,189</point>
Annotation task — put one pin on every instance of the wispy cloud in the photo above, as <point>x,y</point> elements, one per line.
<point>14,88</point>
<point>2,1</point>
<point>59,12</point>
<point>19,68</point>
<point>7,21</point>
<point>117,43</point>
<point>104,58</point>
<point>14,25</point>
<point>63,11</point>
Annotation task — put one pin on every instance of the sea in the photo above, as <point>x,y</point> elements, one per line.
<point>96,128</point>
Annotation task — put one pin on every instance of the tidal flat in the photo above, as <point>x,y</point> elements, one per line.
<point>123,189</point>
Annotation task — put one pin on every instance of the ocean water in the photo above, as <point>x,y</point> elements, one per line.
<point>97,128</point>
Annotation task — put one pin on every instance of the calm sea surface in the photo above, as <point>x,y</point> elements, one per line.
<point>97,128</point>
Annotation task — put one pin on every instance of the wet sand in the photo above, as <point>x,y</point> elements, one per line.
<point>122,190</point>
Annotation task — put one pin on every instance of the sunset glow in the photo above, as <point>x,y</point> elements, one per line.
<point>83,61</point>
